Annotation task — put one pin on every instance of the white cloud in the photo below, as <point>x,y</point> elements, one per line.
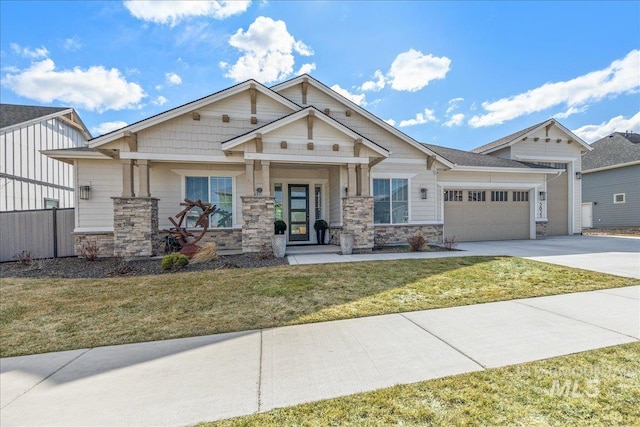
<point>267,49</point>
<point>107,127</point>
<point>355,98</point>
<point>94,89</point>
<point>391,122</point>
<point>455,120</point>
<point>160,100</point>
<point>591,133</point>
<point>172,12</point>
<point>571,111</point>
<point>421,118</point>
<point>374,85</point>
<point>453,104</point>
<point>37,53</point>
<point>306,69</point>
<point>173,79</point>
<point>72,44</point>
<point>412,70</point>
<point>622,76</point>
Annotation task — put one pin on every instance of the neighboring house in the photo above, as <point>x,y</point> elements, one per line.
<point>29,179</point>
<point>299,151</point>
<point>611,182</point>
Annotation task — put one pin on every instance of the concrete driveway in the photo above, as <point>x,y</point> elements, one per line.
<point>605,254</point>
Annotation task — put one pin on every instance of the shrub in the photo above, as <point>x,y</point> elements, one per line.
<point>174,261</point>
<point>24,257</point>
<point>416,242</point>
<point>379,241</point>
<point>450,243</point>
<point>90,251</point>
<point>121,267</point>
<point>320,224</point>
<point>207,252</point>
<point>279,226</point>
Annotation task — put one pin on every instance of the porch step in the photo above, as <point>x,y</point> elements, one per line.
<point>312,249</point>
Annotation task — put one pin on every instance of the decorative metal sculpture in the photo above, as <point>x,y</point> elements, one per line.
<point>186,239</point>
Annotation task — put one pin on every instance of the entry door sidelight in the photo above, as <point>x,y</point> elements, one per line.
<point>298,212</point>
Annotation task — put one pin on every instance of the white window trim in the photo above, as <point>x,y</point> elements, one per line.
<point>207,174</point>
<point>391,176</point>
<point>624,198</point>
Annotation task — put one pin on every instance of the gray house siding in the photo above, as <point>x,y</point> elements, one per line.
<point>599,188</point>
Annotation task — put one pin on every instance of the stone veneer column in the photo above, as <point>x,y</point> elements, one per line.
<point>357,219</point>
<point>541,229</point>
<point>258,217</point>
<point>135,225</point>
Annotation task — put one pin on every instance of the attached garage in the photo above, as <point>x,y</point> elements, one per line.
<point>475,215</point>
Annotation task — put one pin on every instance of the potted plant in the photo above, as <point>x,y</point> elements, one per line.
<point>321,227</point>
<point>279,240</point>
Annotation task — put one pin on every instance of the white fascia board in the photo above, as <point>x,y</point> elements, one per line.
<point>72,154</point>
<point>604,168</point>
<point>503,170</point>
<point>97,230</point>
<point>36,120</point>
<point>490,185</point>
<point>194,105</point>
<point>294,158</point>
<point>352,105</point>
<point>136,155</point>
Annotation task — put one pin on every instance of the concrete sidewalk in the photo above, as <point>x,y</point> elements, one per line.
<point>604,254</point>
<point>184,381</point>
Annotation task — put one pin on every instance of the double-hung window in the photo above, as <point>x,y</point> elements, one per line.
<point>217,190</point>
<point>391,201</point>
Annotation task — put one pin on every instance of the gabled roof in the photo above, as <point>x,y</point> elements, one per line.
<point>14,115</point>
<point>509,140</point>
<point>191,106</point>
<point>297,115</point>
<point>466,158</point>
<point>616,149</point>
<point>353,106</point>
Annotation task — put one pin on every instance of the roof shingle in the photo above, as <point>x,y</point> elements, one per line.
<point>615,149</point>
<point>11,114</point>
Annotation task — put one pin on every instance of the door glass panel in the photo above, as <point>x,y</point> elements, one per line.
<point>298,212</point>
<point>298,229</point>
<point>298,204</point>
<point>299,192</point>
<point>299,216</point>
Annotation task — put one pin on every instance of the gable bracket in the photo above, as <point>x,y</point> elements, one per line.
<point>546,129</point>
<point>254,95</point>
<point>131,139</point>
<point>258,143</point>
<point>305,87</point>
<point>310,124</point>
<point>430,160</point>
<point>357,146</point>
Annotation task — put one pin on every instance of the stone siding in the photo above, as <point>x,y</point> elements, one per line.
<point>389,235</point>
<point>258,218</point>
<point>135,226</point>
<point>357,219</point>
<point>104,242</point>
<point>541,229</point>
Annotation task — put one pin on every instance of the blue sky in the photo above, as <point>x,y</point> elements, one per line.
<point>457,74</point>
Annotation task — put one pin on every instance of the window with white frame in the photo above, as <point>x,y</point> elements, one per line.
<point>477,196</point>
<point>520,196</point>
<point>391,201</point>
<point>217,190</point>
<point>499,196</point>
<point>619,198</point>
<point>453,196</point>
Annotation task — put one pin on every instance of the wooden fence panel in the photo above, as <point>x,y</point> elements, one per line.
<point>33,231</point>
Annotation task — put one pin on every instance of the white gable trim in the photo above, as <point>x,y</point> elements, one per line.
<point>297,116</point>
<point>604,168</point>
<point>194,105</point>
<point>331,93</point>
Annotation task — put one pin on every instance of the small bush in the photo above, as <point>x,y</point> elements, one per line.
<point>207,252</point>
<point>450,243</point>
<point>416,242</point>
<point>24,257</point>
<point>379,241</point>
<point>90,251</point>
<point>121,267</point>
<point>265,252</point>
<point>174,261</point>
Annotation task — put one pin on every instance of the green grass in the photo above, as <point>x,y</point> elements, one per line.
<point>606,384</point>
<point>41,315</point>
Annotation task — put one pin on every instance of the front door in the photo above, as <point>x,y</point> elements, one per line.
<point>299,212</point>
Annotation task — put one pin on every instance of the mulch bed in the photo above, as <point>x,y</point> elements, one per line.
<point>77,268</point>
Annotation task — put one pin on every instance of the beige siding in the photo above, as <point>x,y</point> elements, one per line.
<point>489,177</point>
<point>337,178</point>
<point>541,148</point>
<point>105,178</point>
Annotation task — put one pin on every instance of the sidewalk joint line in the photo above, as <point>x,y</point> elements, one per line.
<point>448,344</point>
<point>577,320</point>
<point>260,375</point>
<point>47,377</point>
<point>604,291</point>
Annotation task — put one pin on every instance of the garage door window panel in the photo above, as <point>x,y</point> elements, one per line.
<point>477,196</point>
<point>499,196</point>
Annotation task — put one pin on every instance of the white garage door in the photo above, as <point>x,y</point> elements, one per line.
<point>473,215</point>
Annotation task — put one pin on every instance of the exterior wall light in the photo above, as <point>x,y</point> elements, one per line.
<point>85,192</point>
<point>423,193</point>
<point>543,195</point>
<point>578,175</point>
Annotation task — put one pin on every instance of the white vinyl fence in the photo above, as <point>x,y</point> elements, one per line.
<point>45,233</point>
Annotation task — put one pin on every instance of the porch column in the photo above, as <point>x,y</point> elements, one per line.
<point>251,188</point>
<point>365,189</point>
<point>266,187</point>
<point>143,178</point>
<point>351,181</point>
<point>127,178</point>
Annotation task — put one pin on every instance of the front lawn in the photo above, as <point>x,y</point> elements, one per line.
<point>595,388</point>
<point>48,314</point>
